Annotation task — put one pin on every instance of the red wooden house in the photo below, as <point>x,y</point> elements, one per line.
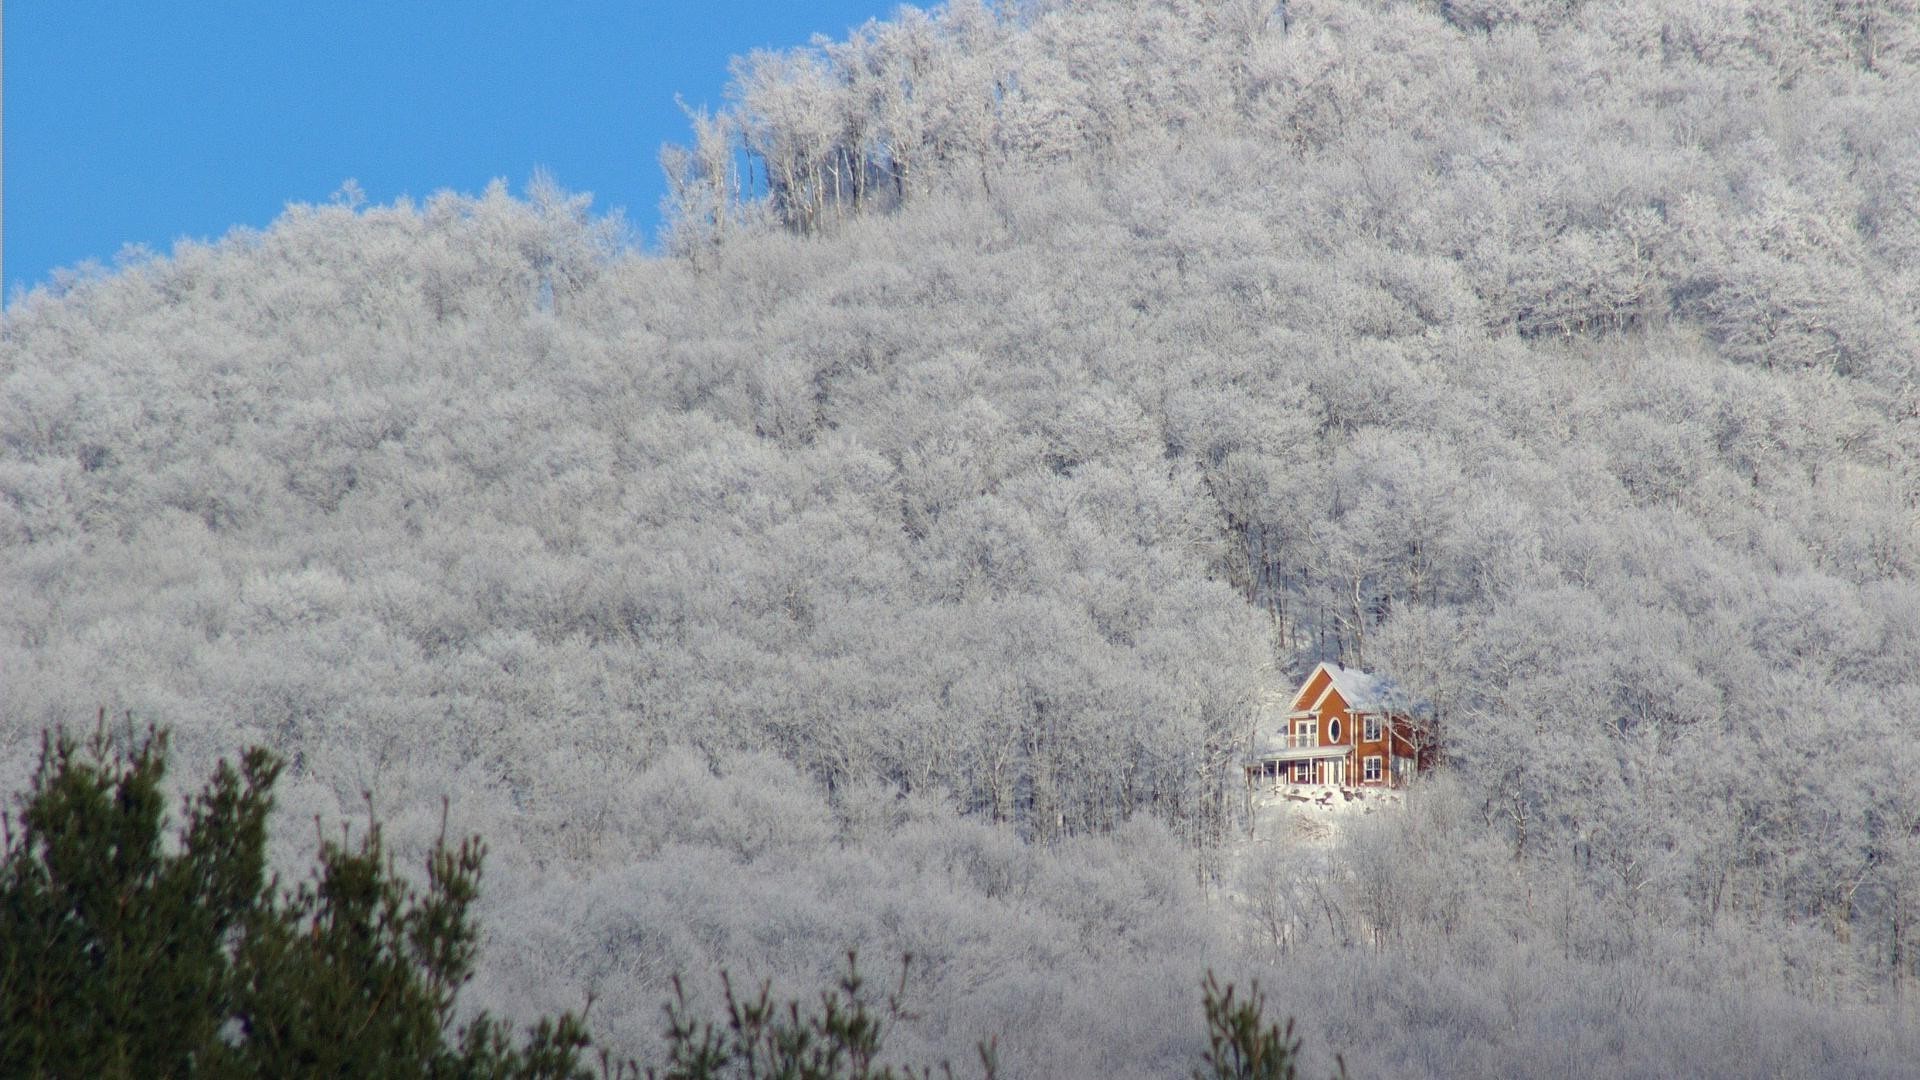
<point>1342,728</point>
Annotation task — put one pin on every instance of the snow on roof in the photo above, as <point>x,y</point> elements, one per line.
<point>1364,691</point>
<point>1275,748</point>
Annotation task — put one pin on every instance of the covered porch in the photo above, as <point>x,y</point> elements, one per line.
<point>1329,766</point>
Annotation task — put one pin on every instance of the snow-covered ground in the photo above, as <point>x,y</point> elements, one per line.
<point>1275,875</point>
<point>1314,813</point>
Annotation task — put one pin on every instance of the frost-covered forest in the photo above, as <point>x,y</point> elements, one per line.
<point>893,560</point>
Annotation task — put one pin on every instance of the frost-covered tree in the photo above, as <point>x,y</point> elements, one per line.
<point>1093,367</point>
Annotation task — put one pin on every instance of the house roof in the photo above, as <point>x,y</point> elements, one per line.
<point>1271,750</point>
<point>1363,691</point>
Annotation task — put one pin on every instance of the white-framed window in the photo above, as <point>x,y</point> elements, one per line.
<point>1333,730</point>
<point>1370,727</point>
<point>1371,769</point>
<point>1304,731</point>
<point>1303,772</point>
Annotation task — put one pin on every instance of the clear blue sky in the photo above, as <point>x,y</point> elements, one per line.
<point>141,121</point>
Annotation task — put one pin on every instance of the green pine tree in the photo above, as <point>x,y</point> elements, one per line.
<point>1241,1044</point>
<point>124,955</point>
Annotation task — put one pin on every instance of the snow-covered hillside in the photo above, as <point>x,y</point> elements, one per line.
<point>892,563</point>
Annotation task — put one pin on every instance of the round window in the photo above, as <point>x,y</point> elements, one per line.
<point>1333,730</point>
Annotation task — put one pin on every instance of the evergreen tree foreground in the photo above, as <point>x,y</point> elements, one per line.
<point>124,955</point>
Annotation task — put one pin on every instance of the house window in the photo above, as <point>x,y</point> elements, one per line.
<point>1372,767</point>
<point>1370,728</point>
<point>1303,772</point>
<point>1333,730</point>
<point>1303,733</point>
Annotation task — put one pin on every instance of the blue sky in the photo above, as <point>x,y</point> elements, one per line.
<point>141,121</point>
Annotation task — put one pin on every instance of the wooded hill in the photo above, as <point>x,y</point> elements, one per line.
<point>894,559</point>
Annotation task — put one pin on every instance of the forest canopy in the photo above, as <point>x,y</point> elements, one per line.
<point>896,557</point>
